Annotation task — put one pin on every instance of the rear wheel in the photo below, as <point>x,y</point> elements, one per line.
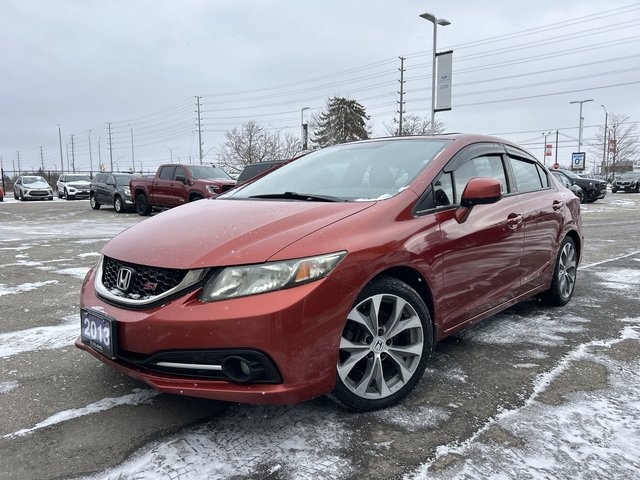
<point>564,275</point>
<point>66,194</point>
<point>385,346</point>
<point>94,203</point>
<point>142,205</point>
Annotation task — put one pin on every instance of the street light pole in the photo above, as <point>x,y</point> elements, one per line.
<point>90,156</point>
<point>580,122</point>
<point>604,141</point>
<point>443,22</point>
<point>303,133</point>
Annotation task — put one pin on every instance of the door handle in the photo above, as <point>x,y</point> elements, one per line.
<point>514,220</point>
<point>557,204</point>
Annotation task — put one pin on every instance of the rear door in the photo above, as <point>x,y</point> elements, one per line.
<point>542,205</point>
<point>482,254</point>
<point>161,191</point>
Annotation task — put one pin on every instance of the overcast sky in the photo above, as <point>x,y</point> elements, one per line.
<point>140,65</point>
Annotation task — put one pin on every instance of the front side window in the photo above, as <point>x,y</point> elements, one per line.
<point>353,172</point>
<point>167,173</point>
<point>486,166</point>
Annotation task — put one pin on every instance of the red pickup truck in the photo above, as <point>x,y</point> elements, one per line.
<point>174,185</point>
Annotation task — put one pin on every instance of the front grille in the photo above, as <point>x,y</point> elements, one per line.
<point>38,193</point>
<point>146,282</point>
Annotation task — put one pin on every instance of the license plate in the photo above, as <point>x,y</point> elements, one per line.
<point>99,332</point>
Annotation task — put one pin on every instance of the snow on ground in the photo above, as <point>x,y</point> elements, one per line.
<point>40,338</point>
<point>24,287</point>
<point>248,442</point>
<point>595,428</point>
<point>79,272</point>
<point>8,386</point>
<point>138,397</point>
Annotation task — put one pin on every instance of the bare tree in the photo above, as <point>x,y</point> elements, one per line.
<point>413,124</point>
<point>251,143</point>
<point>623,147</point>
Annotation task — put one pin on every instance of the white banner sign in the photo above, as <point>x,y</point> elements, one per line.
<point>443,95</point>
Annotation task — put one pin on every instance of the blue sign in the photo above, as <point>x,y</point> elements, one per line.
<point>578,160</point>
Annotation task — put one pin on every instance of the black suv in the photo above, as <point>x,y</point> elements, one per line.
<point>592,187</point>
<point>112,189</point>
<point>628,182</point>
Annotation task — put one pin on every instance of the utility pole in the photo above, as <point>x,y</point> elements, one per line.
<point>401,92</point>
<point>2,172</point>
<point>19,169</point>
<point>110,147</point>
<point>41,160</point>
<point>99,156</point>
<point>556,160</point>
<point>73,155</point>
<point>199,128</point>
<point>61,158</point>
<point>90,157</point>
<point>580,123</point>
<point>133,160</point>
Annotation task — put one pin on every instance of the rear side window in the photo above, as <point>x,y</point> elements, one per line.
<point>167,173</point>
<point>527,175</point>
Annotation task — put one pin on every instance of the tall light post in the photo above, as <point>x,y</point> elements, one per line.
<point>303,131</point>
<point>580,122</point>
<point>90,156</point>
<point>443,22</point>
<point>171,149</point>
<point>604,141</point>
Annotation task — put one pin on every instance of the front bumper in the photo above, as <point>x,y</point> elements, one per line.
<point>37,194</point>
<point>297,329</point>
<point>78,193</point>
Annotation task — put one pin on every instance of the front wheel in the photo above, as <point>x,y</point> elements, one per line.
<point>142,205</point>
<point>94,203</point>
<point>385,346</point>
<point>564,275</point>
<point>117,204</point>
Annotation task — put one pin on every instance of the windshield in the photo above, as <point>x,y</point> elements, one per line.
<point>78,178</point>
<point>123,179</point>
<point>629,175</point>
<point>28,180</point>
<point>204,172</point>
<point>357,172</point>
<point>569,173</point>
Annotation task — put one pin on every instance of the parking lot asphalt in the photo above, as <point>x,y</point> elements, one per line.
<point>533,392</point>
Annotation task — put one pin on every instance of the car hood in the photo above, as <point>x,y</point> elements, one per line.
<point>33,185</point>
<point>210,233</point>
<point>79,184</point>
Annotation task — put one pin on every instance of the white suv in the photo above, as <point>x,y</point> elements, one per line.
<point>72,186</point>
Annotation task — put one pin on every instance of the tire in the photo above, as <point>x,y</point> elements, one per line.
<point>613,190</point>
<point>383,356</point>
<point>564,275</point>
<point>142,205</point>
<point>581,197</point>
<point>20,196</point>
<point>65,195</point>
<point>117,204</point>
<point>195,197</point>
<point>59,194</point>
<point>94,203</point>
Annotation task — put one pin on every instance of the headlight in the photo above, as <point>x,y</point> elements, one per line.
<point>246,280</point>
<point>127,192</point>
<point>591,184</point>
<point>213,189</point>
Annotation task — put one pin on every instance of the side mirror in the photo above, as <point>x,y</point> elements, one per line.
<point>479,191</point>
<point>181,178</point>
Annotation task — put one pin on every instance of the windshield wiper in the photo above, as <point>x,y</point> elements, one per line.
<point>300,196</point>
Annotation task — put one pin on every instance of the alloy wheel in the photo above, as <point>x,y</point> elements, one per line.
<point>381,346</point>
<point>567,270</point>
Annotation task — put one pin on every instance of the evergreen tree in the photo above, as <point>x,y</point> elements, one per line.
<point>343,121</point>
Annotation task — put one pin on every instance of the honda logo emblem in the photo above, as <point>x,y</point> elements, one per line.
<point>125,275</point>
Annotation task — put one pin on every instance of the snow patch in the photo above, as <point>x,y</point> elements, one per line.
<point>25,287</point>
<point>79,272</point>
<point>6,387</point>
<point>412,419</point>
<point>40,338</point>
<point>139,397</point>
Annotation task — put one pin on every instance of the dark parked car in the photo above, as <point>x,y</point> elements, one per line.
<point>627,182</point>
<point>593,188</point>
<point>566,182</point>
<point>71,186</point>
<point>32,187</point>
<point>255,169</point>
<point>337,272</point>
<point>112,189</point>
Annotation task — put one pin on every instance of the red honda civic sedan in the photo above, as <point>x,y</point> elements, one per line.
<point>337,272</point>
